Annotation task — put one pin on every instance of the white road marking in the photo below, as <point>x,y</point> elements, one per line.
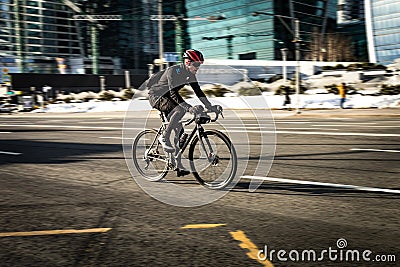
<point>10,153</point>
<point>291,122</point>
<point>338,125</point>
<point>382,126</point>
<point>249,127</point>
<point>68,126</point>
<point>100,122</point>
<point>5,132</point>
<point>319,133</point>
<point>237,131</point>
<point>295,128</point>
<point>344,186</point>
<point>341,118</point>
<point>116,137</point>
<point>375,150</point>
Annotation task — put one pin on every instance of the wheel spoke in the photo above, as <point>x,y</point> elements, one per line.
<point>213,160</point>
<point>149,162</point>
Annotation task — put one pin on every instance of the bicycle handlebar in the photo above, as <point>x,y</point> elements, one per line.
<point>189,121</point>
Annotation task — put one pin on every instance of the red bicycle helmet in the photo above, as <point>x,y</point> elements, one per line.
<point>194,55</point>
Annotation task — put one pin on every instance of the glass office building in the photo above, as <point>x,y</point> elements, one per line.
<point>383,30</point>
<point>351,24</point>
<point>37,36</point>
<point>244,36</point>
<point>40,35</point>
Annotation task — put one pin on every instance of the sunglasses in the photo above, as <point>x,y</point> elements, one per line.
<point>195,64</point>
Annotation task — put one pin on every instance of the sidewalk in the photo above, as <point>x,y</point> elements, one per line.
<point>262,113</point>
<point>329,113</point>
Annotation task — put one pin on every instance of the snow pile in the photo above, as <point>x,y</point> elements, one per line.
<point>325,101</point>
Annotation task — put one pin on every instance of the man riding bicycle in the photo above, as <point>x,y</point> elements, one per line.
<point>164,96</point>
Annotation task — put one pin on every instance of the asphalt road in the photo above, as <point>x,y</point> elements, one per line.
<point>67,197</point>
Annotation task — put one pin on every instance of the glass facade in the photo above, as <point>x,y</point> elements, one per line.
<point>39,35</point>
<point>240,34</point>
<point>36,33</point>
<point>383,29</point>
<point>244,36</point>
<point>133,40</point>
<point>351,24</point>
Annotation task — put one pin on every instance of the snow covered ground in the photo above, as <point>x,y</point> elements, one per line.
<point>324,101</point>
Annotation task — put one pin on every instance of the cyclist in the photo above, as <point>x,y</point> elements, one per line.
<point>164,96</point>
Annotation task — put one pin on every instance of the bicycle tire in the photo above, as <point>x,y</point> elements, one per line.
<point>149,157</point>
<point>219,170</point>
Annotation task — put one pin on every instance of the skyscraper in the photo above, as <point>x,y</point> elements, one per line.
<point>37,36</point>
<point>383,30</point>
<point>41,36</point>
<point>125,40</point>
<point>243,36</point>
<point>351,25</point>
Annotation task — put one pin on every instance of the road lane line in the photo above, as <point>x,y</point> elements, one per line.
<point>251,247</point>
<point>290,122</point>
<point>10,153</point>
<point>305,133</point>
<point>231,131</point>
<point>203,226</point>
<point>56,232</point>
<point>5,132</point>
<point>330,129</point>
<point>317,133</point>
<point>100,122</point>
<point>375,150</point>
<point>68,126</point>
<point>116,137</point>
<point>305,182</point>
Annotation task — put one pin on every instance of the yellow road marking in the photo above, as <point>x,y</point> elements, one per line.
<point>56,232</point>
<point>251,247</point>
<point>206,225</point>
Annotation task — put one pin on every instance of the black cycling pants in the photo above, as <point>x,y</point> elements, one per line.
<point>173,112</point>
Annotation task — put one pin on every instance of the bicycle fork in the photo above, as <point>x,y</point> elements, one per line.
<point>207,147</point>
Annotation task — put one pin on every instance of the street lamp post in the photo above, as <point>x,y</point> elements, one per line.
<point>284,57</point>
<point>178,28</point>
<point>297,43</point>
<point>160,36</point>
<point>296,40</point>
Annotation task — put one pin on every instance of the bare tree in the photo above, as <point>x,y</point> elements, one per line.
<point>332,47</point>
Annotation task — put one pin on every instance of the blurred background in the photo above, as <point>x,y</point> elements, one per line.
<point>118,44</point>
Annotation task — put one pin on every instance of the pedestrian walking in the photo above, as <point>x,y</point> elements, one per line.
<point>287,100</point>
<point>342,88</point>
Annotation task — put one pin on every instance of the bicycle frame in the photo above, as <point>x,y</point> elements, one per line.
<point>198,129</point>
<point>211,155</point>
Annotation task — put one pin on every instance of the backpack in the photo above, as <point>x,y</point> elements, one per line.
<point>155,78</point>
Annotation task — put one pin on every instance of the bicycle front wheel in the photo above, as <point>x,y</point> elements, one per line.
<point>149,157</point>
<point>213,159</point>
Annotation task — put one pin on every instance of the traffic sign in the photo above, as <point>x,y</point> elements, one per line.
<point>171,57</point>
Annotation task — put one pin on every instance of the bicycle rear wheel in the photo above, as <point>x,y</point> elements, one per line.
<point>213,159</point>
<point>149,157</point>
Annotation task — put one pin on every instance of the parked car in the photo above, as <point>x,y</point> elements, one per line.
<point>8,108</point>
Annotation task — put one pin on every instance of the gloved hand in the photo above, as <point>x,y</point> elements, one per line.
<point>216,108</point>
<point>186,106</point>
<point>196,109</point>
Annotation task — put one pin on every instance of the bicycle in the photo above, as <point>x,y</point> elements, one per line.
<point>212,156</point>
